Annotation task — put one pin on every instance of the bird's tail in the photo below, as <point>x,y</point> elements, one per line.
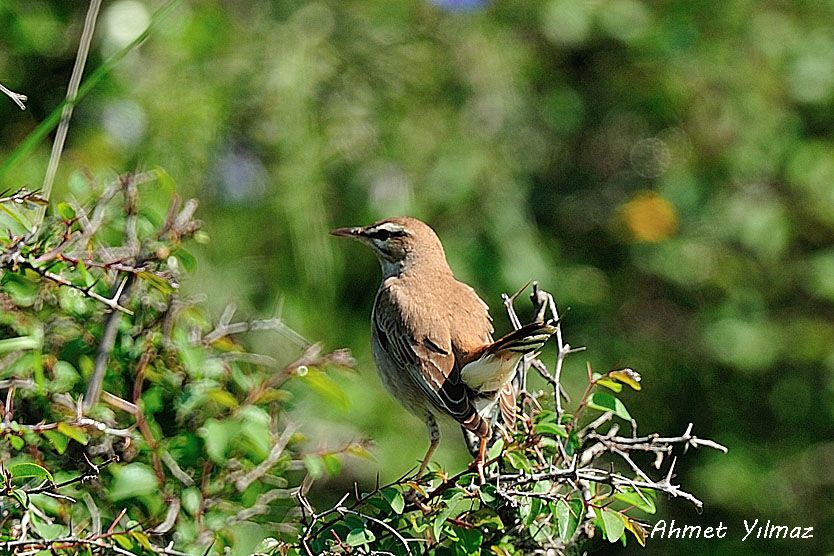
<point>492,366</point>
<point>490,371</point>
<point>529,338</point>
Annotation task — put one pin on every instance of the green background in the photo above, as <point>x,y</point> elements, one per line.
<point>665,168</point>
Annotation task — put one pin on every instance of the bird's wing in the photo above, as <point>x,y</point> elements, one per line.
<point>428,361</point>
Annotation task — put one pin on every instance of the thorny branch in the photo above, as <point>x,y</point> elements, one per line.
<point>96,540</point>
<point>24,197</point>
<point>50,488</point>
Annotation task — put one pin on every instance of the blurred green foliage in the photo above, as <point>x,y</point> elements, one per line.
<point>184,437</point>
<point>666,169</point>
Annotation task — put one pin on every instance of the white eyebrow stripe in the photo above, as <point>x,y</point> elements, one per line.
<point>389,227</point>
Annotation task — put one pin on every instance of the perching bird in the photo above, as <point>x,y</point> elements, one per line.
<point>432,335</point>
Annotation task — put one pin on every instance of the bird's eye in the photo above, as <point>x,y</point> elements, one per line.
<point>381,235</point>
<point>384,234</point>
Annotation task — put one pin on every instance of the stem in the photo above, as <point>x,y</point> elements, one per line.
<point>66,114</point>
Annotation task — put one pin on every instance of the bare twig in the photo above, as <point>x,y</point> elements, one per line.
<point>24,197</point>
<point>265,466</point>
<point>18,98</point>
<point>66,114</point>
<point>108,340</point>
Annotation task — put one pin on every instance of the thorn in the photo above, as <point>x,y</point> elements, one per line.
<point>671,470</point>
<point>524,287</point>
<point>93,466</point>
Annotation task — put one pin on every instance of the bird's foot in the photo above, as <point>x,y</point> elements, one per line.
<point>411,496</point>
<point>478,465</point>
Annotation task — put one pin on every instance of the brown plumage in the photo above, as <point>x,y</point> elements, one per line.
<point>432,335</point>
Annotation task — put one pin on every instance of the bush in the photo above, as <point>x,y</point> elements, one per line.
<point>129,422</point>
<point>132,424</point>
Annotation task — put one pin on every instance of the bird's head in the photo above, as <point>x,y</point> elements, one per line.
<point>398,243</point>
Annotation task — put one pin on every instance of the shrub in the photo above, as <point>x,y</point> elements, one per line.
<point>129,422</point>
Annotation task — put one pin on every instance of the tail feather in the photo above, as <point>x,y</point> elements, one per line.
<point>492,366</point>
<point>489,372</point>
<point>506,402</point>
<point>530,337</point>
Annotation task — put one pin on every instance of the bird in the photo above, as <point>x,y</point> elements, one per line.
<point>431,335</point>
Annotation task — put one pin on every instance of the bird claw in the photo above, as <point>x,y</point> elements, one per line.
<point>411,496</point>
<point>478,464</point>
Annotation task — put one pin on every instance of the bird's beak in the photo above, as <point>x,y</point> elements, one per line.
<point>347,232</point>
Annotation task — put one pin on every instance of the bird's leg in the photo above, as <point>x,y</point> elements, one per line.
<point>434,439</point>
<point>478,462</point>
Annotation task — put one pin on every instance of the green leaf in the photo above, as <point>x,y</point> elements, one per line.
<point>82,270</point>
<point>65,377</point>
<point>58,441</point>
<point>327,388</point>
<point>551,429</point>
<point>456,504</point>
<point>613,524</point>
<point>573,444</point>
<point>529,510</point>
<point>20,343</point>
<point>75,432</point>
<point>495,450</point>
<point>65,211</point>
<point>157,282</point>
<point>18,217</point>
<point>485,518</point>
<point>487,493</point>
<point>164,179</point>
<point>610,384</point>
<point>16,442</point>
<point>607,402</point>
<point>636,529</point>
<point>568,514</point>
<point>314,465</point>
<point>468,541</point>
<point>29,470</point>
<point>360,451</point>
<point>332,463</point>
<point>254,439</point>
<point>394,498</point>
<point>644,502</point>
<point>21,497</point>
<point>142,539</point>
<point>191,499</point>
<point>627,376</point>
<point>23,292</point>
<point>217,436</point>
<point>48,530</point>
<point>223,398</point>
<point>519,461</point>
<point>186,259</point>
<point>360,536</point>
<point>134,479</point>
<point>123,541</point>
